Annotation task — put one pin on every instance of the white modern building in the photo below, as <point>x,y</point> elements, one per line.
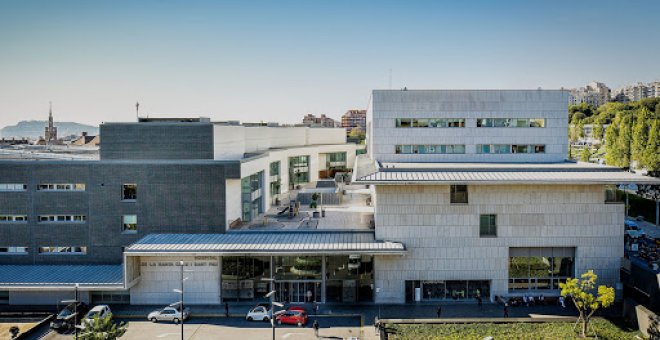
<point>471,196</point>
<point>476,186</point>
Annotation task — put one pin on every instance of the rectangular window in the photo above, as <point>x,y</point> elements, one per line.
<point>129,223</point>
<point>13,218</point>
<point>430,149</point>
<point>13,250</point>
<point>429,122</point>
<point>511,122</point>
<point>61,218</point>
<point>458,194</point>
<point>61,187</point>
<point>403,122</point>
<point>612,194</point>
<point>487,225</point>
<point>541,268</point>
<point>129,192</point>
<point>12,187</point>
<point>62,250</point>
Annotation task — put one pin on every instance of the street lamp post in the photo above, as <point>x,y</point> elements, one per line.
<point>181,263</point>
<point>75,308</point>
<point>75,313</point>
<point>273,303</point>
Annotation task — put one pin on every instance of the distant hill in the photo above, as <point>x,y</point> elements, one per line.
<point>35,128</point>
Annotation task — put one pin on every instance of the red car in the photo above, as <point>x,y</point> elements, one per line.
<point>296,317</point>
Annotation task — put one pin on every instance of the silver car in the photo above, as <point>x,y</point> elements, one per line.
<point>169,313</point>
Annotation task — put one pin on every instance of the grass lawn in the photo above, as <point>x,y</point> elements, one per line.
<point>4,328</point>
<point>550,330</point>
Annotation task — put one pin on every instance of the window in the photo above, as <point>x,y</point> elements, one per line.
<point>429,122</point>
<point>429,149</point>
<point>511,122</point>
<point>487,225</point>
<point>13,218</point>
<point>13,250</point>
<point>12,187</point>
<point>458,194</point>
<point>62,250</point>
<point>61,187</point>
<point>612,195</point>
<point>129,223</point>
<point>129,192</point>
<point>62,218</point>
<point>508,148</point>
<point>540,268</point>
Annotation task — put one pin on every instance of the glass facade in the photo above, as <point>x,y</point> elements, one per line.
<point>511,122</point>
<point>349,278</point>
<point>241,278</point>
<point>275,181</point>
<point>540,268</point>
<point>437,290</point>
<point>298,279</point>
<point>298,170</point>
<point>252,196</point>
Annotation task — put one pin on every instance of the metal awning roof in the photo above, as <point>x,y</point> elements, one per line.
<point>498,173</point>
<point>61,276</point>
<point>270,242</point>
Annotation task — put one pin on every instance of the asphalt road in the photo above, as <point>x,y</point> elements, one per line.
<point>235,328</point>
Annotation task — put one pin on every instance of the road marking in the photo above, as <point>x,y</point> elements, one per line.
<point>163,335</point>
<point>286,335</point>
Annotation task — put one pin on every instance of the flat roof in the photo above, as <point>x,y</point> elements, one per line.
<point>266,242</point>
<point>496,173</point>
<point>61,276</point>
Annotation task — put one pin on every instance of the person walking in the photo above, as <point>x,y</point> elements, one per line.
<point>316,328</point>
<point>439,311</point>
<point>506,310</point>
<point>226,309</point>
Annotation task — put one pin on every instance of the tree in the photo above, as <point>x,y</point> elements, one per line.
<point>356,132</point>
<point>580,291</point>
<point>612,151</point>
<point>597,129</point>
<point>640,136</point>
<point>585,155</point>
<point>623,141</point>
<point>651,154</point>
<point>103,329</point>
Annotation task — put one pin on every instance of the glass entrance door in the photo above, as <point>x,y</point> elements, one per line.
<point>298,291</point>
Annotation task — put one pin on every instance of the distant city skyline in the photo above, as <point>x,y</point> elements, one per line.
<point>277,61</point>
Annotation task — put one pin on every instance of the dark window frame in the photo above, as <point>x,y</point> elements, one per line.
<point>456,196</point>
<point>489,229</point>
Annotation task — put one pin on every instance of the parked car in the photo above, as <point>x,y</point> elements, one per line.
<point>293,317</point>
<point>259,313</point>
<point>100,310</point>
<point>66,318</point>
<point>170,313</point>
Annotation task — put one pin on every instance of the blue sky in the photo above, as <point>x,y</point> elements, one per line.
<point>278,60</point>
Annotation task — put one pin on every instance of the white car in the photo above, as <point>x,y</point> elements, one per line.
<point>259,313</point>
<point>169,313</point>
<point>100,310</point>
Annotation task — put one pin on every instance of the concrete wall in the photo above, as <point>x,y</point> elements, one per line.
<point>387,105</point>
<point>231,142</point>
<point>160,275</point>
<point>181,197</point>
<point>156,140</point>
<point>444,244</point>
